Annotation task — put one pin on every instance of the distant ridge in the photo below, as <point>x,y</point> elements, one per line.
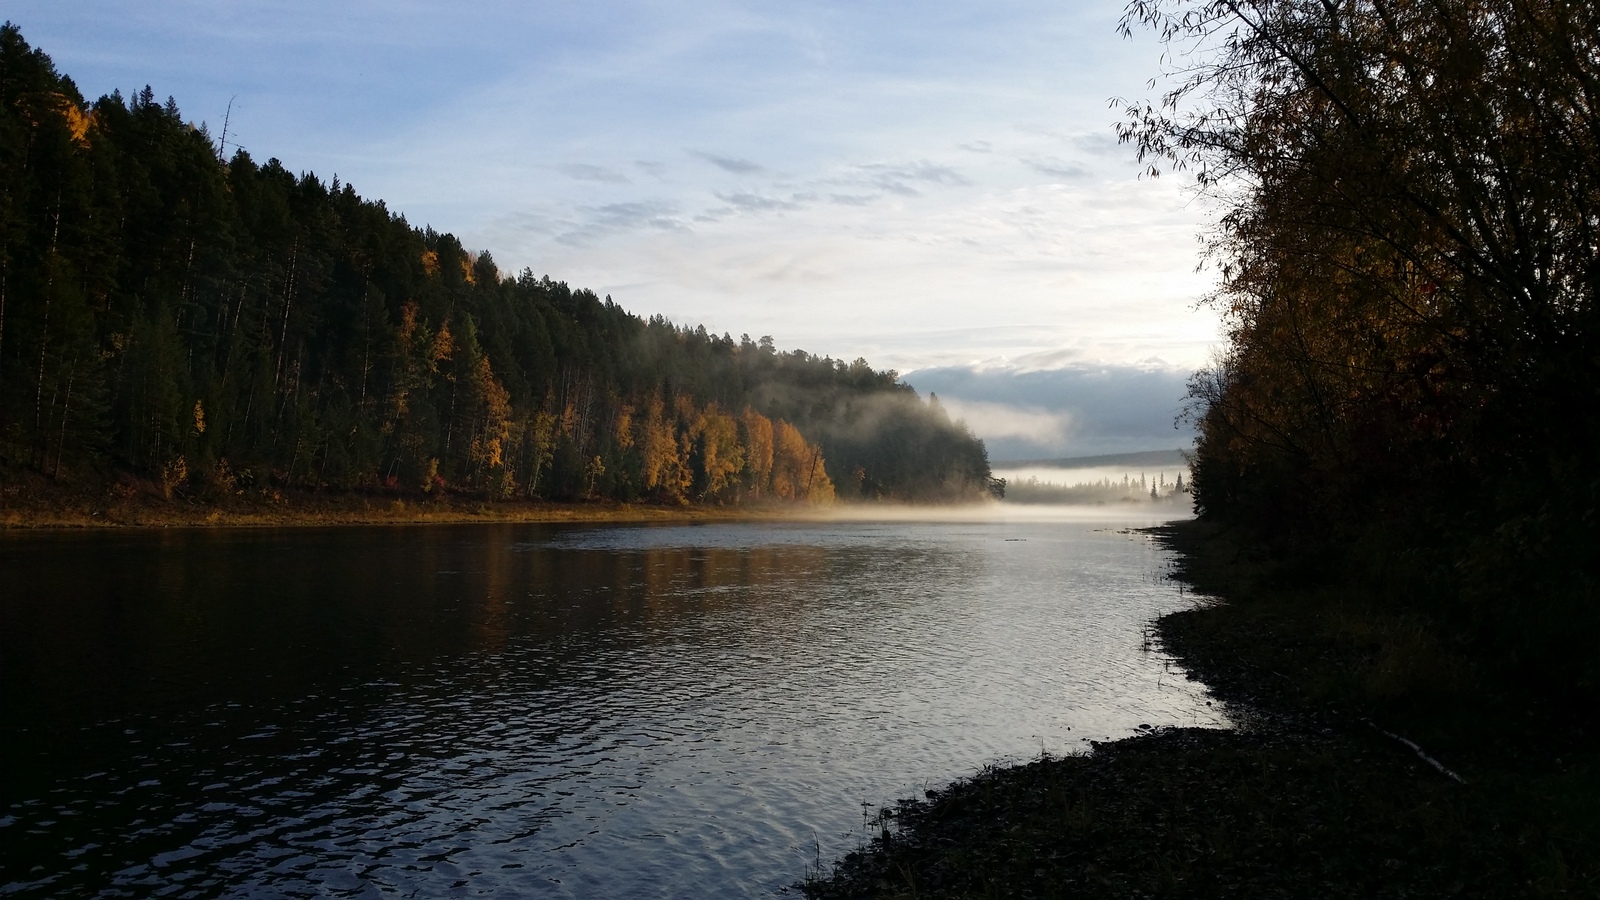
<point>1140,458</point>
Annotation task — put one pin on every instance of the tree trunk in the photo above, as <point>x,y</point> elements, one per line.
<point>66,410</point>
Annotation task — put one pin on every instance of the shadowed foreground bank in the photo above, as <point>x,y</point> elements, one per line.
<point>1313,796</point>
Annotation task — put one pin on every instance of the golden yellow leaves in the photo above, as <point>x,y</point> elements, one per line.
<point>722,457</point>
<point>756,430</point>
<point>468,263</point>
<point>624,427</point>
<point>78,122</point>
<point>488,443</point>
<point>174,474</point>
<point>444,344</point>
<point>797,467</point>
<point>661,466</point>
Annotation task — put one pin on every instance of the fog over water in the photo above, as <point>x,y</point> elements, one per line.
<point>1089,475</point>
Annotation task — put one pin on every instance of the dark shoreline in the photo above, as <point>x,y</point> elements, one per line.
<point>35,503</point>
<point>1313,795</point>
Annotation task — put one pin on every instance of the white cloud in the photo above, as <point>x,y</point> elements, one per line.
<point>1077,409</point>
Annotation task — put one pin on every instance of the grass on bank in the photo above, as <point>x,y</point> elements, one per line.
<point>30,501</point>
<point>1307,799</point>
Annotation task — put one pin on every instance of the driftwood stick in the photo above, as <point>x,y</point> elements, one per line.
<point>1418,750</point>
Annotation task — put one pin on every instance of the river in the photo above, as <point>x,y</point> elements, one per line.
<point>583,711</point>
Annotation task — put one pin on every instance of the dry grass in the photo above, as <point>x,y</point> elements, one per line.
<point>35,503</point>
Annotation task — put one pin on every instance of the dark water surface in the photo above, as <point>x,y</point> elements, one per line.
<point>539,710</point>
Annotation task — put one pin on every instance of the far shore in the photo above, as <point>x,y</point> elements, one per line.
<point>38,504</point>
<point>318,509</point>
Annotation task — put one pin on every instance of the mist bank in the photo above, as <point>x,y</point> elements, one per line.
<point>222,331</point>
<point>1156,477</point>
<point>992,512</point>
<point>1158,490</point>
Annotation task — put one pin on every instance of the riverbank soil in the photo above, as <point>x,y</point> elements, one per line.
<point>1316,794</point>
<point>31,501</point>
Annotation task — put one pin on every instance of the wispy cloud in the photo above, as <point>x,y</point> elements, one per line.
<point>731,164</point>
<point>758,203</point>
<point>1056,168</point>
<point>1101,144</point>
<point>585,172</point>
<point>619,218</point>
<point>905,178</point>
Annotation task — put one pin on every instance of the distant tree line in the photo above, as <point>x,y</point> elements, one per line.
<point>1410,260</point>
<point>1099,492</point>
<point>218,324</point>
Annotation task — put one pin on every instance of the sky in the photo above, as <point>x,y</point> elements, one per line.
<point>934,186</point>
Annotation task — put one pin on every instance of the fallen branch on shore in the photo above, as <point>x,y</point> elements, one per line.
<point>1418,750</point>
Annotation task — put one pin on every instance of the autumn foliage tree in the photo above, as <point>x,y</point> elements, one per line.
<point>1410,279</point>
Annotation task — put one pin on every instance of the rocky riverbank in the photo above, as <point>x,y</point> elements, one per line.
<point>1355,724</point>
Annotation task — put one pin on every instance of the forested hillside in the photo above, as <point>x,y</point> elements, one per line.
<point>217,325</point>
<point>1410,255</point>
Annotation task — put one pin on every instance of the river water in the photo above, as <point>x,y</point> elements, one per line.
<point>583,711</point>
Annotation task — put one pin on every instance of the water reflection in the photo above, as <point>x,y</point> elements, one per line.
<point>679,711</point>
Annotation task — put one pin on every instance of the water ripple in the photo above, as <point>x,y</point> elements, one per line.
<point>675,711</point>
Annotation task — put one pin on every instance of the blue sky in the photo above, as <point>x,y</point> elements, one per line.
<point>934,186</point>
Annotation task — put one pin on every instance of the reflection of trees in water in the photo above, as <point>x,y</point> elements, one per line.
<point>677,592</point>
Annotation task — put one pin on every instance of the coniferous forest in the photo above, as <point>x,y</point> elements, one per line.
<point>217,325</point>
<point>1410,261</point>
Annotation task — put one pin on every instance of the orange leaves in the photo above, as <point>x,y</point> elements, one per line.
<point>79,122</point>
<point>408,320</point>
<point>661,468</point>
<point>756,431</point>
<point>797,466</point>
<point>466,262</point>
<point>622,432</point>
<point>494,428</point>
<point>788,460</point>
<point>721,456</point>
<point>443,346</point>
<point>706,454</point>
